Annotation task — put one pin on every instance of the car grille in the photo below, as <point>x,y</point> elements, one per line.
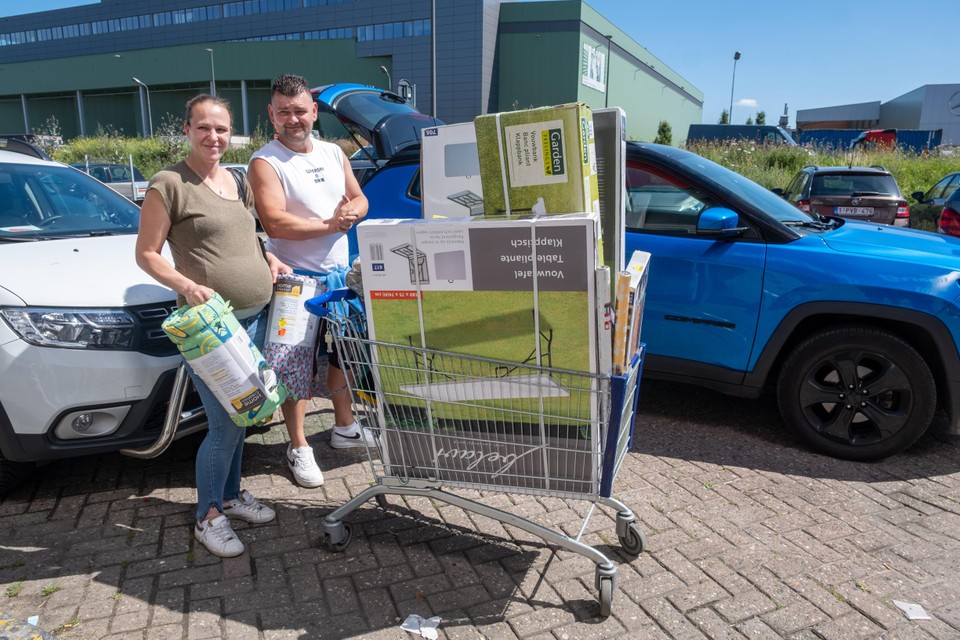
<point>151,339</point>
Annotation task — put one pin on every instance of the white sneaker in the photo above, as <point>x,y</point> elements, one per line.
<point>351,436</point>
<point>304,467</point>
<point>218,537</point>
<point>248,509</point>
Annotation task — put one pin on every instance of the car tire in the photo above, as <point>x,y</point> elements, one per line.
<point>829,395</point>
<point>12,474</point>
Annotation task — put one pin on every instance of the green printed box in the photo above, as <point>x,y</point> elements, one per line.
<point>540,161</point>
<point>470,287</point>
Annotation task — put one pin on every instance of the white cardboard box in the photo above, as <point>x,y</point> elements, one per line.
<point>450,172</point>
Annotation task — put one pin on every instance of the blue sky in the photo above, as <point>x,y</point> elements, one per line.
<point>815,53</point>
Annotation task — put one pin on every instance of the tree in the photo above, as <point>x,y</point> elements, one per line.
<point>749,120</point>
<point>761,117</point>
<point>664,133</point>
<point>724,117</point>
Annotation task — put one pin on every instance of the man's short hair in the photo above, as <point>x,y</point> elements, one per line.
<point>289,85</point>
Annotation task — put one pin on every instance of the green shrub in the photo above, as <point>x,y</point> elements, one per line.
<point>162,150</point>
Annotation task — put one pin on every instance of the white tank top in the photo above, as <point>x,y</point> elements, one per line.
<point>314,184</point>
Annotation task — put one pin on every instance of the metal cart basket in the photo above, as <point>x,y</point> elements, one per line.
<point>444,419</point>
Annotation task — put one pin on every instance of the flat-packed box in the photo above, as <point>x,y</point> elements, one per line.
<point>450,172</point>
<point>540,161</point>
<point>470,287</point>
<point>610,131</point>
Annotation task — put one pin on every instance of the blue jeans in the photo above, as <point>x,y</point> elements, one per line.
<point>220,453</point>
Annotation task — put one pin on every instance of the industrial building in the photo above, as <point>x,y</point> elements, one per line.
<point>930,107</point>
<point>129,67</point>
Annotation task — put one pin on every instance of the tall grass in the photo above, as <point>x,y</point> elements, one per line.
<point>774,167</point>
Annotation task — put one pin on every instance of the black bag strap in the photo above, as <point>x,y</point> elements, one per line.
<point>241,179</point>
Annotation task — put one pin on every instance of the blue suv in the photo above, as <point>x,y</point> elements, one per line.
<point>854,326</point>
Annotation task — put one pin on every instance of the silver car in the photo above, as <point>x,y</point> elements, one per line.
<point>118,178</point>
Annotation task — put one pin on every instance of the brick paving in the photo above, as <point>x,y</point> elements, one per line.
<point>748,536</point>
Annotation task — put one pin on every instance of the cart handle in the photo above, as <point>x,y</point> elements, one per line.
<point>317,306</point>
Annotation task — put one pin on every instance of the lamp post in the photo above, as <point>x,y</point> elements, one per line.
<point>736,56</point>
<point>389,79</point>
<point>213,75</point>
<point>606,73</point>
<point>149,110</point>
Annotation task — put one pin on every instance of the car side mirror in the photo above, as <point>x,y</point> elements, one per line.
<point>778,191</point>
<point>720,222</point>
<point>917,195</point>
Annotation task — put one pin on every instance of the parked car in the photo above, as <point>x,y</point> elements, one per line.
<point>870,194</point>
<point>84,365</point>
<point>948,222</point>
<point>118,178</point>
<point>855,327</point>
<point>930,204</point>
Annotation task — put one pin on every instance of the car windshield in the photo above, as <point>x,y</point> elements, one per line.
<point>38,202</point>
<point>849,184</point>
<point>745,189</point>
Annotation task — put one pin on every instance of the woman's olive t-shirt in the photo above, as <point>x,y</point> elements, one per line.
<point>214,239</point>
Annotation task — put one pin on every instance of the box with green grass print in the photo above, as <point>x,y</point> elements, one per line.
<point>520,291</point>
<point>540,161</point>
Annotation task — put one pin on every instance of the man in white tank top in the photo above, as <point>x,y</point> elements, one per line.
<point>307,199</point>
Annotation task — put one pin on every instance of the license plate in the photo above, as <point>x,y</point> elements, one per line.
<point>853,211</point>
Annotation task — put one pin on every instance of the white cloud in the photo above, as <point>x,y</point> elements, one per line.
<point>746,102</point>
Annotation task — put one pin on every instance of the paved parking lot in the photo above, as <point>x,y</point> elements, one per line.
<point>748,536</point>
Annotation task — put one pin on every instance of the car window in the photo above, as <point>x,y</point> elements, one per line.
<point>797,187</point>
<point>794,187</point>
<point>951,186</point>
<point>825,185</point>
<point>657,201</point>
<point>936,190</point>
<point>414,190</point>
<point>48,201</point>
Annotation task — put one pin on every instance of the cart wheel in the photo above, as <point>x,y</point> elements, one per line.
<point>632,542</point>
<point>606,596</point>
<point>382,502</point>
<point>338,547</point>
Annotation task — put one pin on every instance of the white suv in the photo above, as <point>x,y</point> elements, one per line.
<point>84,365</point>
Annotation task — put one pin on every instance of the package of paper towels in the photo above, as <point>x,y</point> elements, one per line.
<point>219,350</point>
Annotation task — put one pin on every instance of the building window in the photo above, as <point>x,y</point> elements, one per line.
<point>391,30</point>
<point>210,12</point>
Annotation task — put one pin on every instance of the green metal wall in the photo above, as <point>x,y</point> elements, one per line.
<point>540,63</point>
<point>537,69</point>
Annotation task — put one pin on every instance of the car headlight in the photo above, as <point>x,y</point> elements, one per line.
<point>72,329</point>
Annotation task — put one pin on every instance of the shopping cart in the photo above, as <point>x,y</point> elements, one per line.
<point>448,420</point>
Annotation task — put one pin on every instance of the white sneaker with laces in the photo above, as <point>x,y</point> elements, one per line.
<point>304,467</point>
<point>248,509</point>
<point>218,537</point>
<point>351,436</point>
